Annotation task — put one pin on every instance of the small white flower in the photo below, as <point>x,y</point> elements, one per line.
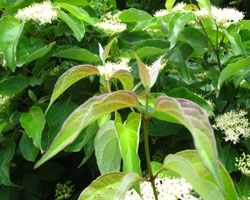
<point>4,102</point>
<point>243,164</point>
<point>109,68</point>
<point>234,125</point>
<point>168,189</point>
<point>179,7</point>
<point>161,13</point>
<point>223,17</point>
<point>39,12</point>
<point>111,24</point>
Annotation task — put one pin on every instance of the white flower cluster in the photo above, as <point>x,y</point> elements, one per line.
<point>179,7</point>
<point>168,189</point>
<point>111,24</point>
<point>223,17</point>
<point>39,12</point>
<point>234,125</point>
<point>243,164</point>
<point>4,102</point>
<point>109,68</point>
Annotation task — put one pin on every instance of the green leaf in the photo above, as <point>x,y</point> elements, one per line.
<point>104,187</point>
<point>128,135</point>
<point>33,123</point>
<point>128,181</point>
<point>105,53</point>
<point>191,35</point>
<point>14,84</point>
<point>85,114</point>
<point>179,56</point>
<point>13,3</point>
<point>107,151</point>
<point>75,53</point>
<point>143,72</point>
<point>10,32</point>
<point>31,49</point>
<point>3,124</point>
<point>76,25</point>
<point>169,4</point>
<point>177,24</point>
<point>232,69</point>
<point>244,186</point>
<point>70,77</point>
<point>6,155</point>
<point>126,78</point>
<point>186,94</point>
<point>207,190</point>
<point>235,39</point>
<point>75,2</point>
<point>28,150</point>
<point>78,12</point>
<point>134,15</point>
<point>195,120</point>
<point>242,74</point>
<point>206,4</point>
<point>146,52</point>
<point>193,157</point>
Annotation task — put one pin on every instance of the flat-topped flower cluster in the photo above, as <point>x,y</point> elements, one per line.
<point>42,13</point>
<point>168,188</point>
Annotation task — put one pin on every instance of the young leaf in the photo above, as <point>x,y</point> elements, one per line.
<point>70,77</point>
<point>107,151</point>
<point>128,181</point>
<point>193,157</point>
<point>76,25</point>
<point>33,123</point>
<point>143,72</point>
<point>232,69</point>
<point>207,190</point>
<point>169,4</point>
<point>128,135</point>
<point>195,120</point>
<point>78,12</point>
<point>10,32</point>
<point>105,53</point>
<point>104,187</point>
<point>85,114</point>
<point>126,78</point>
<point>154,71</point>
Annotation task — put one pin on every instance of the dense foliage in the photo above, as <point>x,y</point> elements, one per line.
<point>123,92</point>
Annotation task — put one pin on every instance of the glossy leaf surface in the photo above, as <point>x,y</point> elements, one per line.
<point>195,120</point>
<point>128,135</point>
<point>10,32</point>
<point>104,187</point>
<point>134,15</point>
<point>207,190</point>
<point>107,150</point>
<point>193,157</point>
<point>70,77</point>
<point>85,114</point>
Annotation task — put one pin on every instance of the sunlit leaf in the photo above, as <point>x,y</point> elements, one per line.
<point>128,181</point>
<point>105,53</point>
<point>70,77</point>
<point>85,114</point>
<point>104,187</point>
<point>125,77</point>
<point>107,150</point>
<point>169,4</point>
<point>10,32</point>
<point>195,120</point>
<point>78,12</point>
<point>206,4</point>
<point>206,189</point>
<point>134,15</point>
<point>128,135</point>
